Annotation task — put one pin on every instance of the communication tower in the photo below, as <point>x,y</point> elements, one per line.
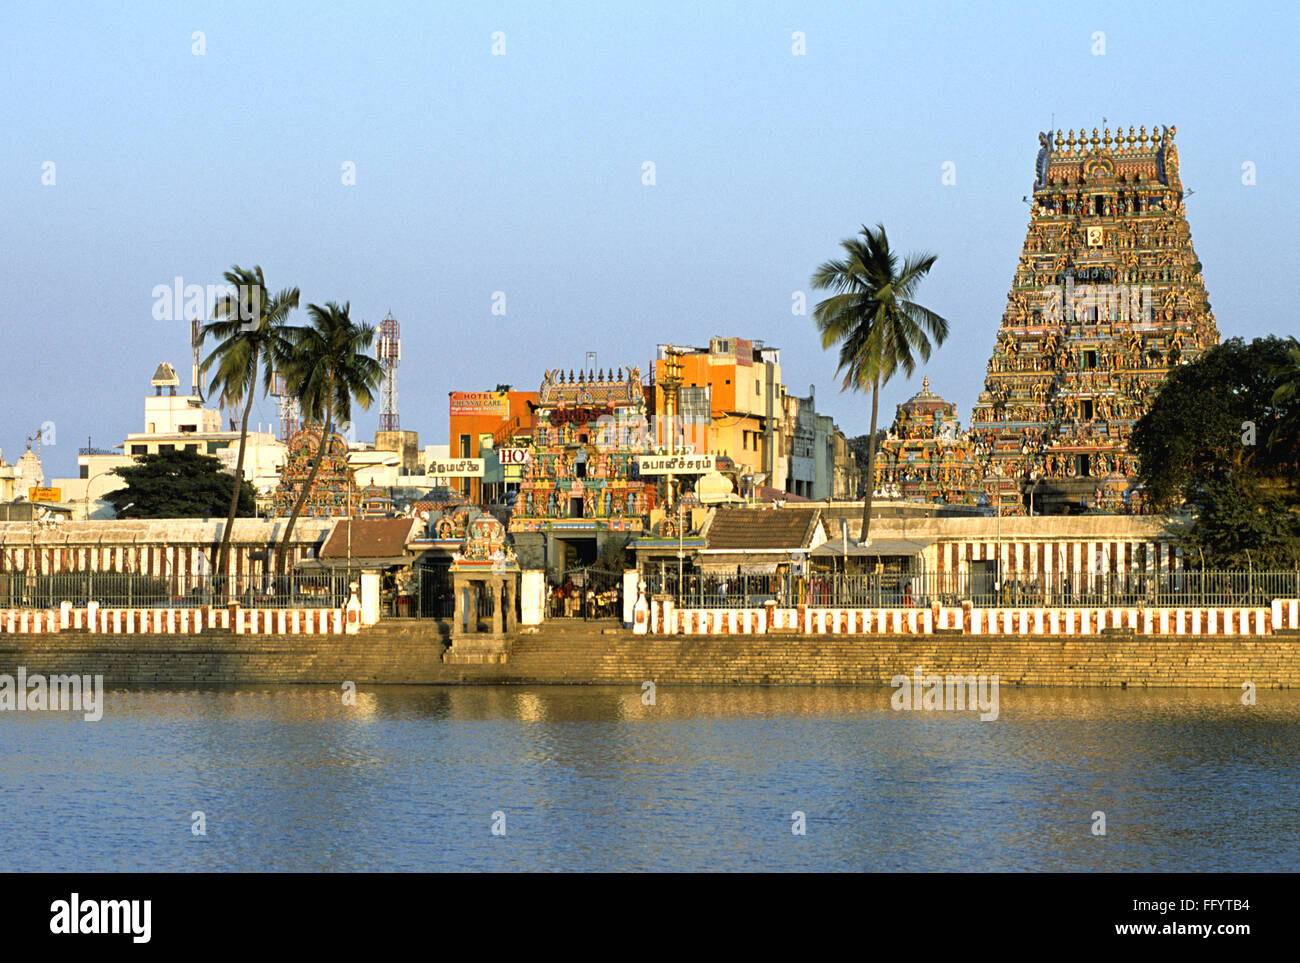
<point>389,352</point>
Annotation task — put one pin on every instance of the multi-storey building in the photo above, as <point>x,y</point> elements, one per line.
<point>724,400</point>
<point>481,424</point>
<point>172,422</point>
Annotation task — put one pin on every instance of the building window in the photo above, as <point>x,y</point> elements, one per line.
<point>1089,359</point>
<point>188,428</point>
<point>139,449</point>
<point>464,446</point>
<point>162,448</point>
<point>193,448</point>
<point>758,387</point>
<point>85,471</point>
<point>1085,408</point>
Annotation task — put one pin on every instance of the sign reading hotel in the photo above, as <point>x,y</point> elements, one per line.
<point>455,468</point>
<point>514,456</point>
<point>476,404</point>
<point>677,464</point>
<point>45,494</point>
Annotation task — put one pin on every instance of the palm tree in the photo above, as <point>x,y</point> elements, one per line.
<point>248,328</point>
<point>873,318</point>
<point>324,368</point>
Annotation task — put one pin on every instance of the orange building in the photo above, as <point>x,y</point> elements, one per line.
<point>729,402</point>
<point>480,424</point>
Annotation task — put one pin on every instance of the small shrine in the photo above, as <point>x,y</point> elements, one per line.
<point>374,501</point>
<point>485,575</point>
<point>331,492</point>
<point>926,457</point>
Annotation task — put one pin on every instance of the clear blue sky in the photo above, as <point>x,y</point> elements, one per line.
<point>522,173</point>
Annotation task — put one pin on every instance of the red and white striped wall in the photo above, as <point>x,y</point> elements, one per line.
<point>1282,615</point>
<point>172,621</point>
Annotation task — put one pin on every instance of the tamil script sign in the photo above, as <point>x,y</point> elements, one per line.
<point>45,494</point>
<point>475,404</point>
<point>677,464</point>
<point>455,468</point>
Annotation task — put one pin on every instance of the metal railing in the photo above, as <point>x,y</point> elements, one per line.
<point>125,590</point>
<point>982,589</point>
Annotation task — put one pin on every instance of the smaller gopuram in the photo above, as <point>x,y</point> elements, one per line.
<point>581,487</point>
<point>334,485</point>
<point>926,457</point>
<point>485,583</point>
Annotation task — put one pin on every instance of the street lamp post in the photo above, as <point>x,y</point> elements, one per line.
<point>85,501</point>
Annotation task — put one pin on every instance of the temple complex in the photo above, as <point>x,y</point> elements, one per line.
<point>334,488</point>
<point>926,457</point>
<point>581,486</point>
<point>1106,299</point>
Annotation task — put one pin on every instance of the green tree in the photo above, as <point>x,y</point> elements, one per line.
<point>325,366</point>
<point>248,329</point>
<point>1284,438</point>
<point>178,484</point>
<point>1210,422</point>
<point>879,327</point>
<point>1219,442</point>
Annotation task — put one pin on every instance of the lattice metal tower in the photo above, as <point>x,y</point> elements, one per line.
<point>388,352</point>
<point>290,410</point>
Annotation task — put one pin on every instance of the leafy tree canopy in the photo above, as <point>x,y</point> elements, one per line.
<point>178,484</point>
<point>1221,440</point>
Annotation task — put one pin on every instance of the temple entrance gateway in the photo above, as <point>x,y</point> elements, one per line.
<point>485,591</point>
<point>587,593</point>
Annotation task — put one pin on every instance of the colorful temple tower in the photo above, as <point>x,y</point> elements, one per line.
<point>1106,299</point>
<point>334,486</point>
<point>581,485</point>
<point>926,457</point>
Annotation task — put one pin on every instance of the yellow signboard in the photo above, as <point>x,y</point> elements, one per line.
<point>45,494</point>
<point>478,404</point>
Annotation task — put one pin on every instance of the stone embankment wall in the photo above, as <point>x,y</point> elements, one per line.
<point>580,653</point>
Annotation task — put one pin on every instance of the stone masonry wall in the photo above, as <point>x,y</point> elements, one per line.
<point>411,653</point>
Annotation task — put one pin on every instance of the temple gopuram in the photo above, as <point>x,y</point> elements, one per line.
<point>333,486</point>
<point>926,457</point>
<point>581,487</point>
<point>1106,299</point>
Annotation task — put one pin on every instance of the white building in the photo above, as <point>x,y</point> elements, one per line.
<point>172,422</point>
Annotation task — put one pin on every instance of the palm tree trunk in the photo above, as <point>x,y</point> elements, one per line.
<point>223,555</point>
<point>283,550</point>
<point>871,461</point>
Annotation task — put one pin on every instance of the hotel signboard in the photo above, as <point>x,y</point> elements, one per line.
<point>45,494</point>
<point>476,404</point>
<point>677,464</point>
